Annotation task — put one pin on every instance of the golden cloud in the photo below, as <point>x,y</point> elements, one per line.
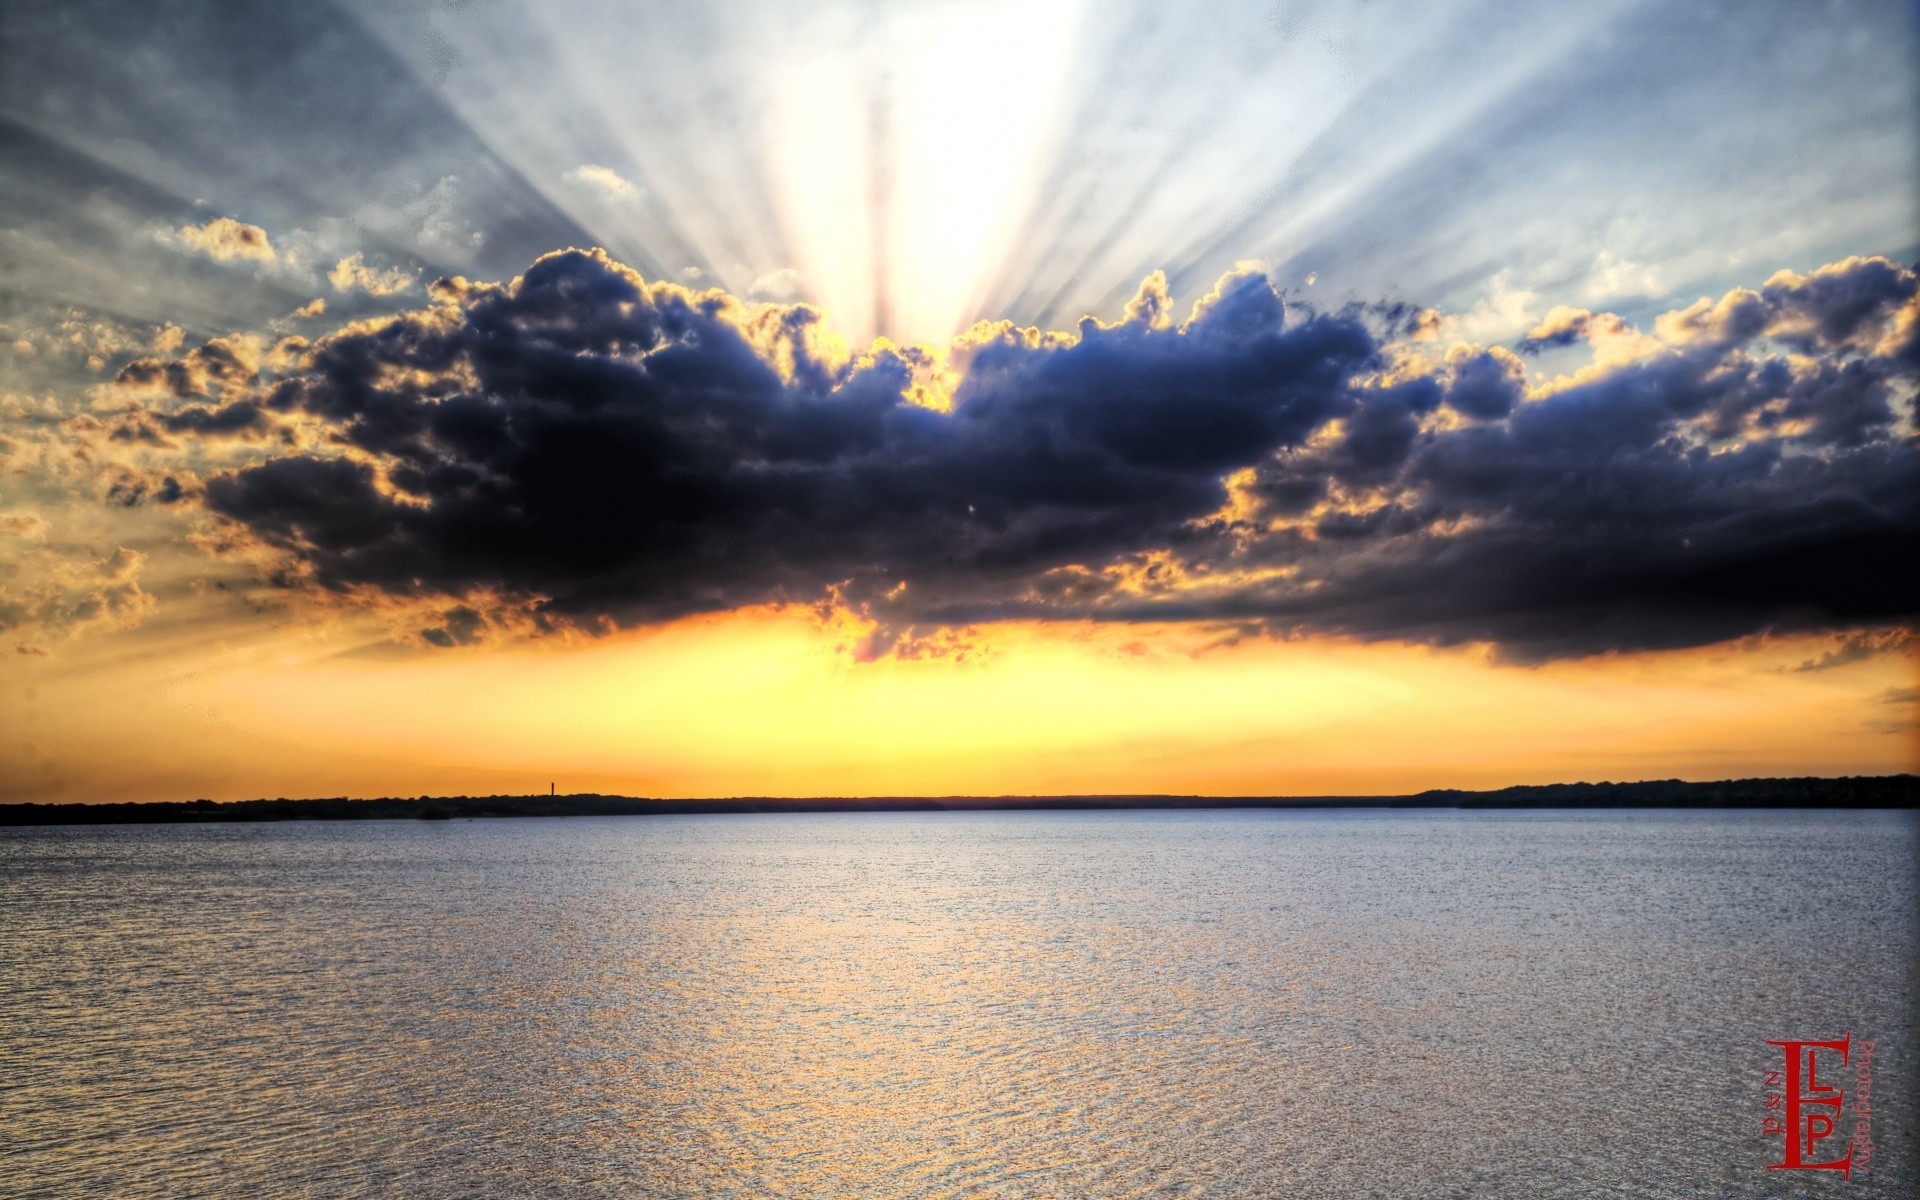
<point>353,273</point>
<point>226,239</point>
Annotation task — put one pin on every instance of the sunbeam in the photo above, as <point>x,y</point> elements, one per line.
<point>1048,542</point>
<point>915,167</point>
<point>341,331</point>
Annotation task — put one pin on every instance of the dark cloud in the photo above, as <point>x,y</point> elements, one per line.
<point>460,626</point>
<point>619,453</point>
<point>1566,326</point>
<point>240,416</point>
<point>219,364</point>
<point>1606,517</point>
<point>1864,304</point>
<point>1485,384</point>
<point>628,453</point>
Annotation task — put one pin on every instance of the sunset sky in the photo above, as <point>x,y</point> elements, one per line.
<point>954,396</point>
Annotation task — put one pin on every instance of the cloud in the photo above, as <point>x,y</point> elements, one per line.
<point>226,239</point>
<point>25,526</point>
<point>781,287</point>
<point>352,273</point>
<point>1900,698</point>
<point>461,625</point>
<point>312,308</point>
<point>604,180</point>
<point>1863,304</point>
<point>66,596</point>
<point>1613,276</point>
<point>1859,647</point>
<point>614,452</point>
<point>220,364</point>
<point>90,337</point>
<point>1503,310</point>
<point>1483,384</point>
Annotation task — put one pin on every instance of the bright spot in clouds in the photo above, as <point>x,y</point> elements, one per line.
<point>226,239</point>
<point>602,179</point>
<point>902,154</point>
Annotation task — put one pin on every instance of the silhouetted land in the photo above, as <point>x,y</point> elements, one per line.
<point>1864,791</point>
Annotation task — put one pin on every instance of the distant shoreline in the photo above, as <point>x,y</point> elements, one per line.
<point>1850,792</point>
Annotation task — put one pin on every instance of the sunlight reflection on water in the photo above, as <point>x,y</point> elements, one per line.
<point>943,1005</point>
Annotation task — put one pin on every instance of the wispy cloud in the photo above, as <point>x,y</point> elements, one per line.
<point>1860,647</point>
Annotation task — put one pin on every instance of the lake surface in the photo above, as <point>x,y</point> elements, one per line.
<point>1128,1004</point>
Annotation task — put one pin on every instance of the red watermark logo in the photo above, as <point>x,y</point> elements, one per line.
<point>1809,1114</point>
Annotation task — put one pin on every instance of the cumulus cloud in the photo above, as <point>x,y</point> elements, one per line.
<point>226,239</point>
<point>1861,304</point>
<point>606,451</point>
<point>352,273</point>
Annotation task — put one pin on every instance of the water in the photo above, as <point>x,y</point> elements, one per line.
<point>1134,1004</point>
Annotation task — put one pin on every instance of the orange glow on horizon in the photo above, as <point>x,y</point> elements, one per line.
<point>766,702</point>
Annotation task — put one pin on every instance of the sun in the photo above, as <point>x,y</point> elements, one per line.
<point>904,156</point>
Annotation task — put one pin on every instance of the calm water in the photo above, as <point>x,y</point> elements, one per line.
<point>944,1005</point>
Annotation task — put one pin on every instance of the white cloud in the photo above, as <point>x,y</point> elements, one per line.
<point>782,286</point>
<point>1504,311</point>
<point>1612,277</point>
